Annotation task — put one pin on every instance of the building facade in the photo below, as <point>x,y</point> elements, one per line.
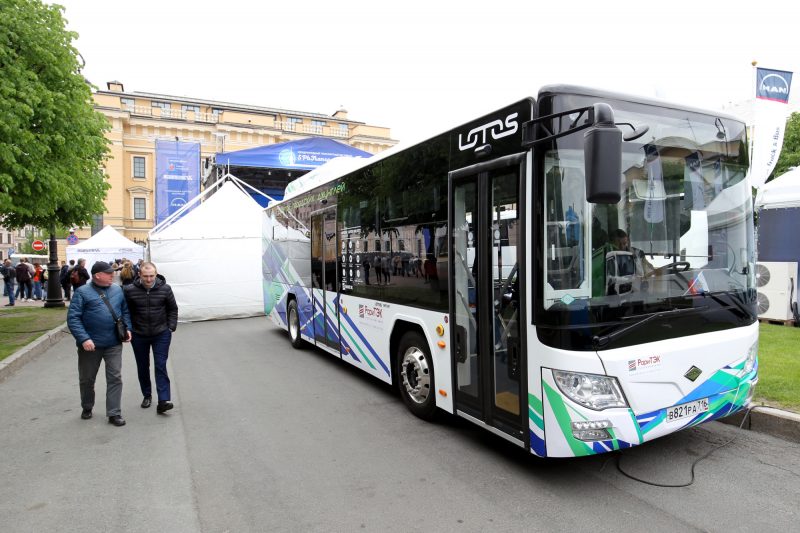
<point>139,119</point>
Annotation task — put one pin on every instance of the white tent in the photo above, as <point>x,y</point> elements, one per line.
<point>106,245</point>
<point>211,256</point>
<point>782,192</point>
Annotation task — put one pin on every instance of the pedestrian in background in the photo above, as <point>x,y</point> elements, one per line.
<point>63,277</point>
<point>127,275</point>
<point>79,276</point>
<point>91,318</point>
<point>9,277</point>
<point>154,314</point>
<point>24,281</point>
<point>39,277</point>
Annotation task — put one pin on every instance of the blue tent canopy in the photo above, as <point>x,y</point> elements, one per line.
<point>304,154</point>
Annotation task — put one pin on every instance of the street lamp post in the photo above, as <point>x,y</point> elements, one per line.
<point>54,296</point>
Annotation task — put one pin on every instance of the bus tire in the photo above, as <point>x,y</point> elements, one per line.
<point>293,322</point>
<point>415,377</point>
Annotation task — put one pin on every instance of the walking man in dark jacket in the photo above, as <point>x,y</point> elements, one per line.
<point>92,324</point>
<point>154,313</point>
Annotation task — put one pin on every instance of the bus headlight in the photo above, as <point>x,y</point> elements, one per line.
<point>750,363</point>
<point>590,390</point>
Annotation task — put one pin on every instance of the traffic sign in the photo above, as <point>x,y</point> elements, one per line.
<point>72,239</point>
<point>37,246</point>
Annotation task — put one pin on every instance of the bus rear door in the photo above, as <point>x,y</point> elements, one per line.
<point>324,277</point>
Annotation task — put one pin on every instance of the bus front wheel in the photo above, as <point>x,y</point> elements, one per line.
<point>415,375</point>
<point>293,321</point>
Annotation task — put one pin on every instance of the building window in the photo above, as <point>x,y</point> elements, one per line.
<point>317,125</point>
<point>127,103</point>
<point>138,167</point>
<point>292,122</point>
<point>162,105</point>
<point>343,129</point>
<point>216,112</point>
<point>187,107</point>
<point>97,223</point>
<point>139,208</point>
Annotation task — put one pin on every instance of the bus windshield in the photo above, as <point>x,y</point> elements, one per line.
<point>680,236</point>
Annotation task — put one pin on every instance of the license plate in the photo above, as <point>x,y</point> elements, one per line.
<point>687,410</point>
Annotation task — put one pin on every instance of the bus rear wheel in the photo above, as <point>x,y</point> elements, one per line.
<point>415,377</point>
<point>293,321</point>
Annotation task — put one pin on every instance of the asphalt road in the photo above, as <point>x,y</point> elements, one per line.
<point>267,438</point>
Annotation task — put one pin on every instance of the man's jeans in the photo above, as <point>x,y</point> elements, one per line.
<point>89,364</point>
<point>10,291</point>
<point>141,349</point>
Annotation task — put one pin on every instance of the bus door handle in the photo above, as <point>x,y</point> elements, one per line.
<point>513,358</point>
<point>460,344</point>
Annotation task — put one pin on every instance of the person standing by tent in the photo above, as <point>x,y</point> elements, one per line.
<point>92,320</point>
<point>127,275</point>
<point>154,313</point>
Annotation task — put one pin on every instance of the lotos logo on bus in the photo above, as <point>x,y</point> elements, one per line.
<point>497,129</point>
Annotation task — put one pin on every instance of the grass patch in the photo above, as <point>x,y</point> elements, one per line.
<point>779,367</point>
<point>23,325</point>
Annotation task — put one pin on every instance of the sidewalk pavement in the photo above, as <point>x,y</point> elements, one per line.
<point>22,303</point>
<point>763,419</point>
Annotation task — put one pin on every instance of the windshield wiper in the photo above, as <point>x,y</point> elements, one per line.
<point>599,341</point>
<point>734,302</point>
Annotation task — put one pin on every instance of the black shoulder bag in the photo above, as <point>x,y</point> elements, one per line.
<point>119,324</point>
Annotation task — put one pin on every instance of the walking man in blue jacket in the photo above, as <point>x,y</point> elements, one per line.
<point>93,325</point>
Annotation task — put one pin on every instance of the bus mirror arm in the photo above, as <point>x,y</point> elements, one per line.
<point>602,147</point>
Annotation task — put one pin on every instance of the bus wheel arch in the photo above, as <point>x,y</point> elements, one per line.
<point>293,322</point>
<point>413,369</point>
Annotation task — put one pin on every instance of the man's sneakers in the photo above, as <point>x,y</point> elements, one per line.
<point>146,402</point>
<point>86,414</point>
<point>163,407</point>
<point>117,420</point>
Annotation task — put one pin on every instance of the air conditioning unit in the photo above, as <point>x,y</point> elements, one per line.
<point>777,289</point>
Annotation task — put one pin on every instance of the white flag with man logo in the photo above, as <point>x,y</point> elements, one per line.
<point>771,109</point>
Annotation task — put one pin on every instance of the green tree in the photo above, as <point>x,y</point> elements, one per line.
<point>790,152</point>
<point>52,142</point>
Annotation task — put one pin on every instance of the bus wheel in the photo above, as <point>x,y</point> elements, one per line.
<point>293,319</point>
<point>415,375</point>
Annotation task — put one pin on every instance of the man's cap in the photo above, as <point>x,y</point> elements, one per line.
<point>102,266</point>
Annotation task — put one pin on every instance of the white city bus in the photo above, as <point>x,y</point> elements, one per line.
<point>399,264</point>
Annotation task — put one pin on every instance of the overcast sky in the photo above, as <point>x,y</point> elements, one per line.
<point>420,67</point>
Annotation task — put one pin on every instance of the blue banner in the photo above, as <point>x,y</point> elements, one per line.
<point>773,84</point>
<point>177,176</point>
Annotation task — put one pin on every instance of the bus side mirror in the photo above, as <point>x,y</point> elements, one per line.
<point>602,151</point>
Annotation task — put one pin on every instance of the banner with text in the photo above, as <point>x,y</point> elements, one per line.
<point>177,176</point>
<point>769,121</point>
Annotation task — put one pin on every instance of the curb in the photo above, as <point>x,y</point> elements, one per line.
<point>763,419</point>
<point>18,359</point>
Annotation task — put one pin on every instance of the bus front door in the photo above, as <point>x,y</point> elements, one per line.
<point>324,277</point>
<point>485,303</point>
